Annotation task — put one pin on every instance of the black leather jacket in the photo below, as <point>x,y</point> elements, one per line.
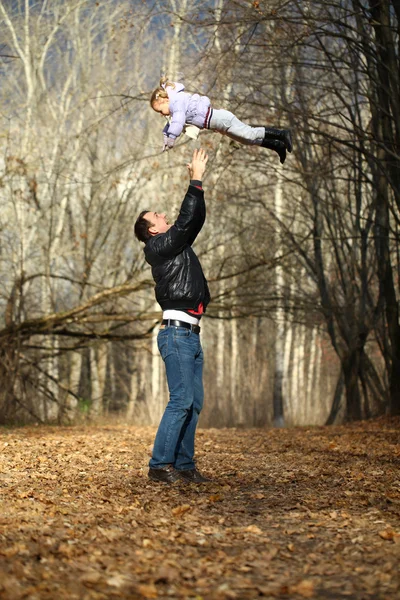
<point>179,278</point>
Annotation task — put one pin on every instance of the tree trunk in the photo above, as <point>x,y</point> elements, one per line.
<point>386,129</point>
<point>337,399</point>
<point>351,367</point>
<point>278,400</point>
<point>71,402</point>
<point>236,399</point>
<point>98,371</point>
<point>133,394</point>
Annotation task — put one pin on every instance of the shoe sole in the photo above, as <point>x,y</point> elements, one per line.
<point>194,481</point>
<point>165,482</point>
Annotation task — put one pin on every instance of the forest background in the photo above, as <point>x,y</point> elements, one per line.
<point>303,260</point>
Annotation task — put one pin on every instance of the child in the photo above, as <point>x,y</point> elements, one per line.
<point>170,100</point>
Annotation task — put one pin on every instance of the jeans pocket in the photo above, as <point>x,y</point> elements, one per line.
<point>180,332</point>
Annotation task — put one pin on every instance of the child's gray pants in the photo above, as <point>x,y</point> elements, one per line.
<point>226,123</point>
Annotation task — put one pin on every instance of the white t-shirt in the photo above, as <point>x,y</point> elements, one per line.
<point>180,315</point>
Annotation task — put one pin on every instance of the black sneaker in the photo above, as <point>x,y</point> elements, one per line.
<point>276,145</point>
<point>165,474</point>
<point>193,476</point>
<point>283,135</point>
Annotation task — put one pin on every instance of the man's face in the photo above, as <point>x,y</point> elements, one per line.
<point>159,222</point>
<point>161,106</point>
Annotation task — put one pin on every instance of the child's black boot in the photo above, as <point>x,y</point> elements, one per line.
<point>276,145</point>
<point>283,135</point>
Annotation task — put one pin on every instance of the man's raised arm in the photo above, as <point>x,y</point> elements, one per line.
<point>192,212</point>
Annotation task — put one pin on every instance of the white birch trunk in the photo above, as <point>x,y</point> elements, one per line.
<point>133,394</point>
<point>317,376</point>
<point>278,400</point>
<point>311,369</point>
<point>287,384</point>
<point>179,7</point>
<point>71,401</point>
<point>220,342</point>
<point>98,371</point>
<point>288,381</point>
<point>301,402</point>
<point>236,399</point>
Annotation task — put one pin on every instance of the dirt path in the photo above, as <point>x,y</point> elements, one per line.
<point>296,513</point>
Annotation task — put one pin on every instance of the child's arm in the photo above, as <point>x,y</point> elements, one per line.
<point>175,127</point>
<point>168,142</point>
<point>177,122</point>
<point>173,130</point>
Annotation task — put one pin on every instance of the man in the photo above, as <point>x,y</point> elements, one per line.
<point>182,292</point>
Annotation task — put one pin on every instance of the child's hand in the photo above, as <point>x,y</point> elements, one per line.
<point>168,143</point>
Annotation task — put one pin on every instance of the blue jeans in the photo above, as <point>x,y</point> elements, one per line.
<point>182,354</point>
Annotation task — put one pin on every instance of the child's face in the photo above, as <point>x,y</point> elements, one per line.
<point>161,105</point>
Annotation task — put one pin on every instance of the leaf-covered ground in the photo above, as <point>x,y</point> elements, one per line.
<point>291,514</point>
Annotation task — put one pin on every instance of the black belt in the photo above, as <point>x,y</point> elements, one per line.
<point>174,323</point>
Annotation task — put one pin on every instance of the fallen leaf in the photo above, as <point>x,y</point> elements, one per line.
<point>165,575</point>
<point>216,498</point>
<point>111,534</point>
<point>90,577</point>
<point>118,580</point>
<point>253,529</point>
<point>387,534</point>
<point>304,588</point>
<point>147,591</point>
<point>180,510</point>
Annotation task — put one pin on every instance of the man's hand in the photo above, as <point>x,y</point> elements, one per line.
<point>198,164</point>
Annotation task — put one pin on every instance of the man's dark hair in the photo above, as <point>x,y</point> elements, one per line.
<point>142,227</point>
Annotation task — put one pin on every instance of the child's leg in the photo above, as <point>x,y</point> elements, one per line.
<point>226,123</point>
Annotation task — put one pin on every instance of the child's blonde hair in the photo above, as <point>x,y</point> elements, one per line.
<point>161,91</point>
